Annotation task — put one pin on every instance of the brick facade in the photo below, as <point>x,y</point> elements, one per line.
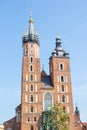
<point>38,90</point>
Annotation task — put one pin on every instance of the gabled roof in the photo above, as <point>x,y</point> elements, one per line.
<point>46,82</point>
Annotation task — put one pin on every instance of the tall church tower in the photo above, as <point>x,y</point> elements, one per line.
<point>61,79</point>
<point>30,78</point>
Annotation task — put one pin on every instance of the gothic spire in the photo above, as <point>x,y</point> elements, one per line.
<point>77,110</point>
<point>31,24</point>
<point>32,35</point>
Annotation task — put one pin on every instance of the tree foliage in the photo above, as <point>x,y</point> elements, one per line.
<point>56,118</point>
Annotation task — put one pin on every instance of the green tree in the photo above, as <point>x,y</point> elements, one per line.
<point>56,118</point>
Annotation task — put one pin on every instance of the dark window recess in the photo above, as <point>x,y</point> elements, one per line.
<point>35,119</point>
<point>32,98</point>
<point>63,98</point>
<point>31,108</point>
<point>61,66</point>
<point>62,79</point>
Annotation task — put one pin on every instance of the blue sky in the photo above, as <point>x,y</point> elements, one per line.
<point>66,18</point>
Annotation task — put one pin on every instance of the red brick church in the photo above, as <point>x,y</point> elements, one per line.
<point>38,90</point>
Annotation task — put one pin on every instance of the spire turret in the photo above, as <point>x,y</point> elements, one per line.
<point>58,41</point>
<point>32,34</point>
<point>77,111</point>
<point>59,51</point>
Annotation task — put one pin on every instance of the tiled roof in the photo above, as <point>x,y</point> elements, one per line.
<point>46,82</point>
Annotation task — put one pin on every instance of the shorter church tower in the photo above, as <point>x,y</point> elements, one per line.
<point>61,78</point>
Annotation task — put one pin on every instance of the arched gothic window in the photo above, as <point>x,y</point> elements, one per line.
<point>31,77</point>
<point>61,67</point>
<point>63,98</point>
<point>31,68</point>
<point>35,119</point>
<point>62,78</point>
<point>31,88</point>
<point>31,98</point>
<point>47,100</point>
<point>31,59</point>
<point>32,109</point>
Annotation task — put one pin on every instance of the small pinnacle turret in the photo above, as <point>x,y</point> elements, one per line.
<point>59,51</point>
<point>31,35</point>
<point>77,111</point>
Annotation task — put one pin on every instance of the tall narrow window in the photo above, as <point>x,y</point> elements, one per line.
<point>35,119</point>
<point>32,109</point>
<point>31,77</point>
<point>63,98</point>
<point>31,98</point>
<point>62,78</point>
<point>31,87</point>
<point>18,117</point>
<point>31,59</point>
<point>31,68</point>
<point>61,67</point>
